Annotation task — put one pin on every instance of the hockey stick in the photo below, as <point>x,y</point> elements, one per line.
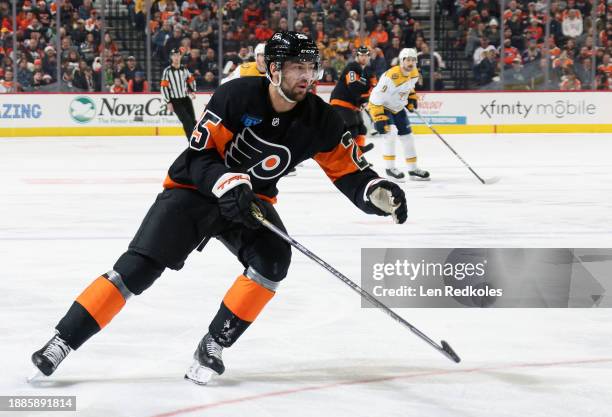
<point>488,181</point>
<point>443,348</point>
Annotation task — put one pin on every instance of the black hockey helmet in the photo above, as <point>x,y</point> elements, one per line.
<point>290,46</point>
<point>362,50</point>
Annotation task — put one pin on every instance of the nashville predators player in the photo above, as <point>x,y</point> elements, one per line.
<point>250,69</point>
<point>392,96</point>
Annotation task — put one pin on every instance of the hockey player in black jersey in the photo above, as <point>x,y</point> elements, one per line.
<point>352,91</point>
<point>251,133</point>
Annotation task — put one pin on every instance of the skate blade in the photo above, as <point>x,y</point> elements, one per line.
<point>199,374</point>
<point>415,178</point>
<point>36,377</point>
<point>396,180</point>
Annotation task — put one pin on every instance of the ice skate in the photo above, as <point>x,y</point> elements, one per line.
<point>419,175</point>
<point>48,358</point>
<point>395,174</point>
<point>207,361</point>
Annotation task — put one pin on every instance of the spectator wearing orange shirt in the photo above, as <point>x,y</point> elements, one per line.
<point>534,30</point>
<point>24,19</point>
<point>553,50</point>
<point>263,32</point>
<point>252,14</point>
<point>170,14</point>
<point>381,35</point>
<point>189,9</point>
<point>5,23</point>
<point>509,53</point>
<point>512,8</point>
<point>138,84</point>
<point>562,61</point>
<point>118,86</point>
<point>93,23</point>
<point>606,65</point>
<point>570,82</point>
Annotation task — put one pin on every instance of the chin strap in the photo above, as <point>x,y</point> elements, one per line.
<point>278,87</point>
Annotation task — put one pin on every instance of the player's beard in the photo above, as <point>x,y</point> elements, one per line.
<point>296,93</point>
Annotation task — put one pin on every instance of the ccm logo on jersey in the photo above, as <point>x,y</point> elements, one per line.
<point>262,159</point>
<point>228,181</point>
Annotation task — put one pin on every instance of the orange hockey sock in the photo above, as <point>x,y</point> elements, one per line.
<point>102,300</point>
<point>246,298</point>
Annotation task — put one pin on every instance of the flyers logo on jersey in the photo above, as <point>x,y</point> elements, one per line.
<point>262,159</point>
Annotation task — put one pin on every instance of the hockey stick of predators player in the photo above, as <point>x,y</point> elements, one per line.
<point>488,181</point>
<point>443,348</point>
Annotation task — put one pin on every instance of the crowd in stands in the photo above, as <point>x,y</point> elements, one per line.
<point>90,61</point>
<point>334,25</point>
<point>572,43</point>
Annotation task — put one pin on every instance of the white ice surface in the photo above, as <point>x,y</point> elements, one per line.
<point>69,207</point>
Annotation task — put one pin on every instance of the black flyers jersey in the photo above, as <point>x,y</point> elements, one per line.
<point>353,87</point>
<point>240,133</point>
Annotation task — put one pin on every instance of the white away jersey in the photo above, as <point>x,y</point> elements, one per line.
<point>393,89</point>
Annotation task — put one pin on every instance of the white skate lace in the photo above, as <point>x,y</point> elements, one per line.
<point>213,348</point>
<point>56,351</point>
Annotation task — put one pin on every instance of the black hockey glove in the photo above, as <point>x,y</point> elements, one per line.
<point>387,198</point>
<point>235,205</point>
<point>413,102</point>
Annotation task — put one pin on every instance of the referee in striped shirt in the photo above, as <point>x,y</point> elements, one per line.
<point>177,89</point>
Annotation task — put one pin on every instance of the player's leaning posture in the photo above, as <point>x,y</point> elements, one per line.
<point>252,132</point>
<point>250,69</point>
<point>392,96</point>
<point>351,91</point>
<point>177,89</point>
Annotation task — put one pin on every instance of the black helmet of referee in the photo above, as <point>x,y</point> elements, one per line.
<point>290,46</point>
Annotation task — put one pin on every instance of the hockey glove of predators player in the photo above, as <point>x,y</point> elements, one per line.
<point>235,199</point>
<point>413,102</point>
<point>387,198</point>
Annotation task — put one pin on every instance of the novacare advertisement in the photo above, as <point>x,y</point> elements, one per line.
<point>69,110</point>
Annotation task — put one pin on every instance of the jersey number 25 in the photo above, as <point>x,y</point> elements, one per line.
<point>200,134</point>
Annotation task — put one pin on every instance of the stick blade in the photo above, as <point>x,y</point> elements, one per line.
<point>492,180</point>
<point>450,353</point>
